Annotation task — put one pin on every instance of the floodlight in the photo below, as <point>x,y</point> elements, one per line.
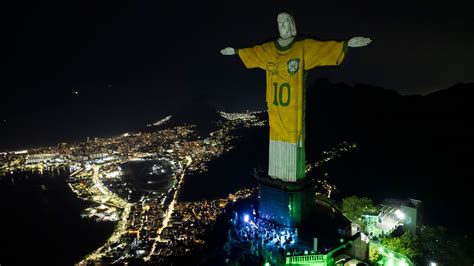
<point>400,215</point>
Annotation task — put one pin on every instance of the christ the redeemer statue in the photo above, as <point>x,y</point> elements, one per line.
<point>286,62</point>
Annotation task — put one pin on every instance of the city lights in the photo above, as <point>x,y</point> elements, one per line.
<point>156,226</point>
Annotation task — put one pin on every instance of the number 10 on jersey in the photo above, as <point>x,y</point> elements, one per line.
<point>281,94</point>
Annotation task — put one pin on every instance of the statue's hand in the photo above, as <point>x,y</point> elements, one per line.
<point>228,51</point>
<point>359,42</point>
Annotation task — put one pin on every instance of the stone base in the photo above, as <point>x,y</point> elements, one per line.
<point>285,203</point>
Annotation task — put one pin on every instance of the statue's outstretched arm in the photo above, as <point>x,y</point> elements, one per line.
<point>228,51</point>
<point>359,42</point>
<point>256,56</point>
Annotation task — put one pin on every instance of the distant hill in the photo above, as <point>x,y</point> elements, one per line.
<point>374,115</point>
<point>193,112</point>
<point>196,111</point>
<point>409,146</point>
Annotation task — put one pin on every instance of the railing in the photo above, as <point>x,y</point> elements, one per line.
<point>305,258</point>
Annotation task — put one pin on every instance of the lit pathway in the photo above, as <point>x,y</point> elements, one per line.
<point>169,211</point>
<point>120,228</point>
<point>107,196</point>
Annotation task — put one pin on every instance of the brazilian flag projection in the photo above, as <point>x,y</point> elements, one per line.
<point>286,70</point>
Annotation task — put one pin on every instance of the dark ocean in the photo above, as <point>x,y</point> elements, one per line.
<point>41,221</point>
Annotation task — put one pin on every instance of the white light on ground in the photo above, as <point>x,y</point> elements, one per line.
<point>246,218</point>
<point>433,264</point>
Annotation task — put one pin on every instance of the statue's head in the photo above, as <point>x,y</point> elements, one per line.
<point>286,25</point>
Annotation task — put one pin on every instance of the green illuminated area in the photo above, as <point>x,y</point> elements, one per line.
<point>381,255</point>
<point>294,207</point>
<point>359,248</point>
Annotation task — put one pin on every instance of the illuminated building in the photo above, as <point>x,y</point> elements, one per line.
<point>392,213</point>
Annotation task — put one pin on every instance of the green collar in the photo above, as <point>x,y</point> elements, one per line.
<point>284,48</point>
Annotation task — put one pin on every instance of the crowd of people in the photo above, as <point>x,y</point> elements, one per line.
<point>261,233</point>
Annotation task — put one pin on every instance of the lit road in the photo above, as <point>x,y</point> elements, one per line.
<point>169,211</point>
<point>114,200</point>
<point>120,228</point>
<point>107,196</point>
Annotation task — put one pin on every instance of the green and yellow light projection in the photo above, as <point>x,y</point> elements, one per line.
<point>285,95</point>
<point>286,61</point>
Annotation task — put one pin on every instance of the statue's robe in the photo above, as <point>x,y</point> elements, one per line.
<point>286,69</point>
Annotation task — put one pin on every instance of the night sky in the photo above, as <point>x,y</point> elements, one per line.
<point>154,52</point>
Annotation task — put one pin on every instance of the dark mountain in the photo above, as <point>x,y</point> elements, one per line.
<point>409,146</point>
<point>196,111</point>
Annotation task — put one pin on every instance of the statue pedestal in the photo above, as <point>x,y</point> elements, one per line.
<point>285,203</point>
<point>293,205</point>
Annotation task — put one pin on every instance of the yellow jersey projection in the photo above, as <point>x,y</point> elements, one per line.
<point>285,95</point>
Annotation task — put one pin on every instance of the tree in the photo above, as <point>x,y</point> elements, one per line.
<point>406,244</point>
<point>374,255</point>
<point>445,247</point>
<point>353,207</point>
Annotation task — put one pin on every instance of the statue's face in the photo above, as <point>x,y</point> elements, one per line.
<point>284,26</point>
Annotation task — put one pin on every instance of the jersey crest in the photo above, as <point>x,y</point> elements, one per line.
<point>293,65</point>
